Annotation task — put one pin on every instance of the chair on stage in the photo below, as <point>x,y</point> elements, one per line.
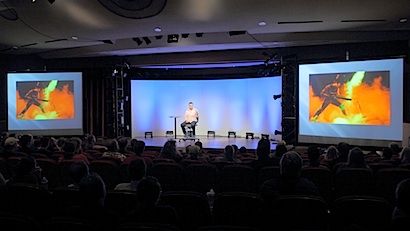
<point>189,134</point>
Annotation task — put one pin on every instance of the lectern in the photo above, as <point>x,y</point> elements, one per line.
<point>175,125</point>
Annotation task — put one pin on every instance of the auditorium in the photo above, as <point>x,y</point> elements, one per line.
<point>213,115</point>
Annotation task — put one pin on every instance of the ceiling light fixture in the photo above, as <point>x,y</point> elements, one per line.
<point>137,40</point>
<point>173,38</point>
<point>157,29</point>
<point>403,20</point>
<point>74,37</point>
<point>147,40</point>
<point>262,23</point>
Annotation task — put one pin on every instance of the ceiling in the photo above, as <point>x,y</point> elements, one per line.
<point>91,28</point>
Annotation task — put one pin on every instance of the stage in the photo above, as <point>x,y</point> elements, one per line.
<point>207,142</point>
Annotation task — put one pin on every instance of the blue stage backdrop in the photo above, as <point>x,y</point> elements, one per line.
<point>240,105</point>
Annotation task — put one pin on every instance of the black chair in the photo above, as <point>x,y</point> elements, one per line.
<point>120,202</point>
<point>369,213</point>
<point>108,170</point>
<point>202,177</point>
<point>322,178</point>
<point>189,135</point>
<point>239,209</point>
<point>355,181</point>
<point>19,222</point>
<point>378,166</point>
<point>192,208</point>
<point>51,171</point>
<point>171,176</point>
<point>64,167</point>
<point>298,212</point>
<point>64,199</point>
<point>4,168</point>
<point>387,180</point>
<point>238,178</point>
<point>267,173</point>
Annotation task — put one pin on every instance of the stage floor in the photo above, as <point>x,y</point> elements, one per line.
<point>207,142</point>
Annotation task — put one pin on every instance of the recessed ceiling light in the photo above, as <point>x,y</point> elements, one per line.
<point>403,20</point>
<point>157,29</point>
<point>74,37</point>
<point>262,23</point>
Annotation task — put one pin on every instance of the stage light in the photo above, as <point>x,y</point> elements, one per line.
<point>233,33</point>
<point>275,97</point>
<point>173,38</point>
<point>158,37</point>
<point>147,40</point>
<point>157,29</point>
<point>199,34</point>
<point>137,40</point>
<point>278,132</point>
<point>184,35</point>
<point>265,136</point>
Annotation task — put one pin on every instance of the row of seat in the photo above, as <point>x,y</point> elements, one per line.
<point>228,209</point>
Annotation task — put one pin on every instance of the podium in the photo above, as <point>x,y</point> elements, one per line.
<point>175,125</point>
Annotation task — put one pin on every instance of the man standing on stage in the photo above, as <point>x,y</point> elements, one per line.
<point>32,97</point>
<point>191,117</point>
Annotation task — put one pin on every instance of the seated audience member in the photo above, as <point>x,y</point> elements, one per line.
<point>405,156</point>
<point>147,209</point>
<point>40,145</point>
<point>91,144</point>
<point>355,159</point>
<point>26,144</point>
<point>262,152</point>
<point>243,150</point>
<point>169,151</point>
<point>137,170</point>
<point>77,171</point>
<point>331,154</point>
<point>27,171</point>
<point>194,154</point>
<point>395,148</point>
<point>124,144</point>
<point>187,150</point>
<point>343,149</point>
<point>229,155</point>
<point>11,147</point>
<point>61,141</point>
<point>92,211</point>
<point>387,155</point>
<point>69,150</point>
<point>202,151</point>
<point>137,150</point>
<point>235,149</point>
<point>314,156</point>
<point>112,151</point>
<point>280,150</point>
<point>289,181</point>
<point>401,212</point>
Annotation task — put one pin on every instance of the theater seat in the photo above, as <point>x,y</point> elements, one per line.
<point>355,181</point>
<point>238,178</point>
<point>171,176</point>
<point>202,177</point>
<point>108,170</point>
<point>387,180</point>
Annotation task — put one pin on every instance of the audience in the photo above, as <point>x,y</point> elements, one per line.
<point>77,171</point>
<point>27,171</point>
<point>69,150</point>
<point>11,147</point>
<point>148,209</point>
<point>124,144</point>
<point>229,155</point>
<point>169,151</point>
<point>401,212</point>
<point>112,151</point>
<point>395,148</point>
<point>314,155</point>
<point>137,169</point>
<point>331,154</point>
<point>355,159</point>
<point>280,150</point>
<point>405,156</point>
<point>289,181</point>
<point>138,148</point>
<point>194,152</point>
<point>92,210</point>
<point>26,144</point>
<point>262,152</point>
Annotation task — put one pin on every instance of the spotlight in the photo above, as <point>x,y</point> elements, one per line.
<point>147,40</point>
<point>278,132</point>
<point>239,32</point>
<point>199,34</point>
<point>137,40</point>
<point>184,35</point>
<point>158,37</point>
<point>173,38</point>
<point>275,97</point>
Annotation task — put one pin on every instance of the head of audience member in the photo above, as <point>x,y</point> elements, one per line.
<point>356,158</point>
<point>229,153</point>
<point>92,190</point>
<point>199,144</point>
<point>187,149</point>
<point>313,155</point>
<point>3,137</point>
<point>112,145</point>
<point>139,147</point>
<point>77,171</point>
<point>263,149</point>
<point>290,164</point>
<point>78,144</point>
<point>395,148</point>
<point>405,155</point>
<point>193,152</point>
<point>11,144</point>
<point>387,153</point>
<point>331,153</point>
<point>343,149</point>
<point>61,141</point>
<point>137,169</point>
<point>403,196</point>
<point>280,150</point>
<point>170,151</point>
<point>281,142</point>
<point>243,150</point>
<point>69,148</point>
<point>235,148</point>
<point>26,142</point>
<point>123,144</point>
<point>25,166</point>
<point>148,192</point>
<point>89,142</point>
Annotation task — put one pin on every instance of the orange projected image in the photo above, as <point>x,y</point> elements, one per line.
<point>45,100</point>
<point>361,98</point>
